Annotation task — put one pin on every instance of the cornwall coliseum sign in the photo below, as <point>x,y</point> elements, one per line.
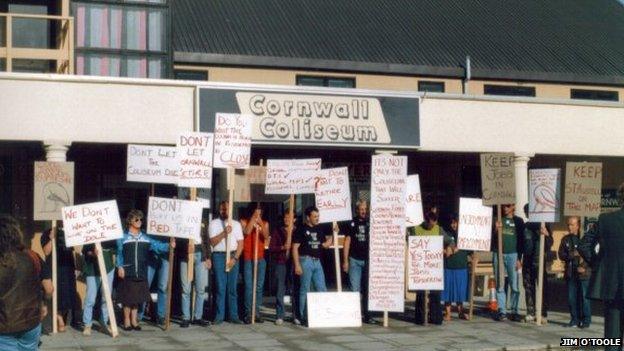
<point>327,118</point>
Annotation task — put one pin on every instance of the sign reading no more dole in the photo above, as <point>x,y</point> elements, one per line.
<point>91,223</point>
<point>475,225</point>
<point>498,179</point>
<point>174,218</point>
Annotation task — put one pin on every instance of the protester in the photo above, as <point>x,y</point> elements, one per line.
<point>24,281</point>
<point>279,247</point>
<point>254,226</point>
<point>226,281</point>
<point>91,271</point>
<point>66,277</point>
<point>455,275</point>
<point>512,229</point>
<point>577,273</point>
<point>355,255</point>
<point>132,255</point>
<point>308,241</point>
<point>158,267</point>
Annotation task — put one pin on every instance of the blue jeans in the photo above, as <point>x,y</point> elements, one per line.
<point>280,283</point>
<point>94,283</point>
<point>226,286</point>
<point>358,278</point>
<point>200,276</point>
<point>509,262</point>
<point>248,275</point>
<point>160,264</point>
<point>23,341</point>
<point>579,303</point>
<point>312,274</point>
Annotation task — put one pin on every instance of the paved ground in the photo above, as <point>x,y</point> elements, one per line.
<point>482,333</point>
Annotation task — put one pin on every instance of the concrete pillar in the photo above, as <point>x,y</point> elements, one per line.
<point>521,164</point>
<point>56,151</point>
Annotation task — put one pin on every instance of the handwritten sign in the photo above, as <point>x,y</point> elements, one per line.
<point>174,218</point>
<point>334,310</point>
<point>475,225</point>
<point>249,184</point>
<point>152,164</point>
<point>91,223</point>
<point>544,195</point>
<point>498,179</point>
<point>289,176</point>
<point>387,233</point>
<point>232,142</point>
<point>332,194</point>
<point>583,185</point>
<point>413,202</point>
<point>425,270</point>
<point>194,157</point>
<point>53,189</point>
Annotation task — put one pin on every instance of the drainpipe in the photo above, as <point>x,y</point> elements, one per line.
<point>467,75</point>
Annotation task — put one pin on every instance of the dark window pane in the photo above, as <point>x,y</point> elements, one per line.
<point>2,65</point>
<point>341,82</point>
<point>508,90</point>
<point>333,82</point>
<point>33,66</point>
<point>30,32</point>
<point>310,81</point>
<point>191,75</point>
<point>604,95</point>
<point>2,31</point>
<point>434,87</point>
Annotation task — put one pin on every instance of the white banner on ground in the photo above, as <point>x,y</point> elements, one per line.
<point>413,202</point>
<point>285,176</point>
<point>583,189</point>
<point>53,189</point>
<point>387,233</point>
<point>91,223</point>
<point>475,225</point>
<point>334,310</point>
<point>544,195</point>
<point>232,140</point>
<point>425,269</point>
<point>194,157</point>
<point>152,164</point>
<point>332,194</point>
<point>174,218</point>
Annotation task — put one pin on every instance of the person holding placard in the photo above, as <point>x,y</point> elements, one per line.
<point>133,252</point>
<point>279,246</point>
<point>256,233</point>
<point>226,280</point>
<point>91,271</point>
<point>355,255</point>
<point>512,228</point>
<point>308,241</point>
<point>455,275</point>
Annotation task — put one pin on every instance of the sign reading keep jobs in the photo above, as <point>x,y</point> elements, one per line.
<point>282,117</point>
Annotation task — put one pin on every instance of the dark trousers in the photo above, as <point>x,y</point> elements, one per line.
<point>280,283</point>
<point>435,307</point>
<point>578,300</point>
<point>529,279</point>
<point>614,321</point>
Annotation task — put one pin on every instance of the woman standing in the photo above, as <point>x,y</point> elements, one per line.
<point>455,276</point>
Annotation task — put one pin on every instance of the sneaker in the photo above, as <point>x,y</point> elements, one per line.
<point>572,324</point>
<point>501,317</point>
<point>200,322</point>
<point>279,321</point>
<point>185,323</point>
<point>247,320</point>
<point>161,321</point>
<point>528,318</point>
<point>296,321</point>
<point>514,317</point>
<point>584,325</point>
<point>86,331</point>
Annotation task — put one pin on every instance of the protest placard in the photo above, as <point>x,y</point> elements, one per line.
<point>413,201</point>
<point>91,223</point>
<point>232,140</point>
<point>249,184</point>
<point>475,225</point>
<point>498,179</point>
<point>425,270</point>
<point>53,189</point>
<point>544,195</point>
<point>332,194</point>
<point>152,164</point>
<point>194,158</point>
<point>583,189</point>
<point>334,310</point>
<point>289,176</point>
<point>174,218</point>
<point>387,233</point>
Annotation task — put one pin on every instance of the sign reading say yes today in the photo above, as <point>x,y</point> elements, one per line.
<point>175,218</point>
<point>91,223</point>
<point>232,140</point>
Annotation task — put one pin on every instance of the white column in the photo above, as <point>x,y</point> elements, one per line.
<point>56,151</point>
<point>521,165</point>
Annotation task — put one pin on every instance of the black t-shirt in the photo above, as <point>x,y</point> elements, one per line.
<point>358,231</point>
<point>64,255</point>
<point>309,240</point>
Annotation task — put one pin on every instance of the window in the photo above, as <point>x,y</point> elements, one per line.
<point>430,86</point>
<point>33,66</point>
<point>320,81</point>
<point>508,90</point>
<point>604,95</point>
<point>191,75</point>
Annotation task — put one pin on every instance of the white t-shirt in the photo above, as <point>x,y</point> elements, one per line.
<point>217,226</point>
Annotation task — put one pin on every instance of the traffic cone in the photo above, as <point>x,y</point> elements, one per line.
<point>492,304</point>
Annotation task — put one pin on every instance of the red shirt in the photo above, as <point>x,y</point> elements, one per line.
<point>249,242</point>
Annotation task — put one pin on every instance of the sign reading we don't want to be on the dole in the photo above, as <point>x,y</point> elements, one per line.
<point>91,223</point>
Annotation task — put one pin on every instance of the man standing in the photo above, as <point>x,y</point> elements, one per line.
<point>226,281</point>
<point>608,264</point>
<point>279,246</point>
<point>512,229</point>
<point>355,255</point>
<point>577,273</point>
<point>308,241</point>
<point>256,232</point>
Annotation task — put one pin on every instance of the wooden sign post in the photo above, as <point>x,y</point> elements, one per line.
<point>107,290</point>
<point>54,282</point>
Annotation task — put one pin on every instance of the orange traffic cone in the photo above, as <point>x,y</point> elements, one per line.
<point>492,304</point>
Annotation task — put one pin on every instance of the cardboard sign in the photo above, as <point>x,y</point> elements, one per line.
<point>332,194</point>
<point>387,233</point>
<point>425,269</point>
<point>194,157</point>
<point>583,186</point>
<point>288,176</point>
<point>249,184</point>
<point>232,141</point>
<point>475,225</point>
<point>544,195</point>
<point>53,189</point>
<point>413,202</point>
<point>91,223</point>
<point>334,310</point>
<point>152,164</point>
<point>174,218</point>
<point>498,179</point>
